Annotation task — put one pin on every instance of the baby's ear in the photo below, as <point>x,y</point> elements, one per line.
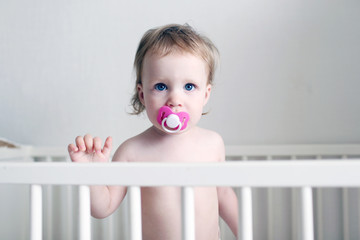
<point>207,93</point>
<point>140,92</point>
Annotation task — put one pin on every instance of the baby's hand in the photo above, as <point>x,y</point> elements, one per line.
<point>88,149</point>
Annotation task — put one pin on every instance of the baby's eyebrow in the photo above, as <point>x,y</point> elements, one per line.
<point>191,80</point>
<point>157,80</point>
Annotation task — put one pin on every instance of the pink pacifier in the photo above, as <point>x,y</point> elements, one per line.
<point>172,122</point>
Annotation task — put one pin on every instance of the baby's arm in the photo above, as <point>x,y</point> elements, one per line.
<point>228,203</point>
<point>104,199</point>
<point>228,207</point>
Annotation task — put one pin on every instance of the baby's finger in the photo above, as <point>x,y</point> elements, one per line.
<point>80,143</point>
<point>97,144</point>
<point>72,148</point>
<point>107,146</point>
<point>89,144</point>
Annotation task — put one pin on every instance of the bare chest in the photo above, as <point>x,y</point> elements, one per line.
<point>161,211</point>
<point>179,152</point>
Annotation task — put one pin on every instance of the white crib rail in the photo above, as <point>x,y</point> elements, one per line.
<point>301,197</point>
<point>343,173</point>
<point>273,174</point>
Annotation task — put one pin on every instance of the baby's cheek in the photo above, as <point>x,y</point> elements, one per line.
<point>151,116</point>
<point>195,118</point>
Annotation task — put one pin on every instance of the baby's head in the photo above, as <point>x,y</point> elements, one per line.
<point>169,39</point>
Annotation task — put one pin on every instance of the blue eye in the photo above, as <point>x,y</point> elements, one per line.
<point>160,86</point>
<point>189,87</point>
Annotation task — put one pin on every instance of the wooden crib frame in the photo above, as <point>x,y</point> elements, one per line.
<point>244,174</point>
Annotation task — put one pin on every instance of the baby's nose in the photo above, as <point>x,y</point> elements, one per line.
<point>174,100</point>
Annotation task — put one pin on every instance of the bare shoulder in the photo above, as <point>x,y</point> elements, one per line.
<point>213,141</point>
<point>129,149</point>
<point>212,136</point>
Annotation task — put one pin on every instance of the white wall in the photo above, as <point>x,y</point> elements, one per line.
<point>289,73</point>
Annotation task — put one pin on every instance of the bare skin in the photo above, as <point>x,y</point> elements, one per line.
<point>161,213</point>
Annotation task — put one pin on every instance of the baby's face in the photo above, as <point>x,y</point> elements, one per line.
<point>179,81</point>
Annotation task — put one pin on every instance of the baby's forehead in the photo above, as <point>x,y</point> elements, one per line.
<point>155,55</point>
<point>152,57</point>
<point>177,65</point>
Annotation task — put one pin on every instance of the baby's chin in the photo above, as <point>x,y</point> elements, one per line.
<point>158,128</point>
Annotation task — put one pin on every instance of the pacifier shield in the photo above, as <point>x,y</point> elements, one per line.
<point>170,121</point>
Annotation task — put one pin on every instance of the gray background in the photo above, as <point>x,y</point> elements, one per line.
<point>289,74</point>
<point>289,70</point>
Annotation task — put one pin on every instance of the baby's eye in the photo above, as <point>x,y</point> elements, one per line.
<point>160,86</point>
<point>189,87</point>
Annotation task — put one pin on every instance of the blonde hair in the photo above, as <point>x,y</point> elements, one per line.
<point>167,39</point>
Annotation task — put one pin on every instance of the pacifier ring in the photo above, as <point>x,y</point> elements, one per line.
<point>169,130</point>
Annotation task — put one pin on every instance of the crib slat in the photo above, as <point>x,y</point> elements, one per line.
<point>245,228</point>
<point>36,212</point>
<point>358,211</point>
<point>84,213</point>
<point>294,209</point>
<point>49,207</point>
<point>70,212</point>
<point>319,210</point>
<point>110,227</point>
<point>270,210</point>
<point>307,222</point>
<point>345,208</point>
<point>135,213</point>
<point>69,209</point>
<point>188,213</point>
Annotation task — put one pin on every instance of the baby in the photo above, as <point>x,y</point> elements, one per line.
<point>175,69</point>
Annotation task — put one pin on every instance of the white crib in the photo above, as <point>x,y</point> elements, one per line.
<point>281,191</point>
